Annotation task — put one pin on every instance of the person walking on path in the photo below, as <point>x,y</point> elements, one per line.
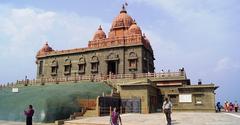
<point>167,109</point>
<point>115,118</point>
<point>236,106</point>
<point>29,113</point>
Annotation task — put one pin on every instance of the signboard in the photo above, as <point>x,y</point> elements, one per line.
<point>198,102</point>
<point>185,97</point>
<point>15,90</point>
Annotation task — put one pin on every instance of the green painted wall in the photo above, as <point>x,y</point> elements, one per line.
<point>51,102</point>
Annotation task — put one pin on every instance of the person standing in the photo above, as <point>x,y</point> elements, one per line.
<point>231,106</point>
<point>115,118</point>
<point>29,113</point>
<point>167,109</point>
<point>226,106</point>
<point>218,107</point>
<point>236,106</point>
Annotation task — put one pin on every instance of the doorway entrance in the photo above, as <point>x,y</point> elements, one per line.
<point>112,67</point>
<point>131,105</point>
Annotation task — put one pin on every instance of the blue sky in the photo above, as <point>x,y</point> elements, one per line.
<point>201,36</point>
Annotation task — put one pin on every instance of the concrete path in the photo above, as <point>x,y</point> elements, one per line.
<point>178,118</point>
<point>21,123</point>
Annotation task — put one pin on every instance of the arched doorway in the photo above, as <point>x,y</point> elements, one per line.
<point>112,63</point>
<point>112,67</point>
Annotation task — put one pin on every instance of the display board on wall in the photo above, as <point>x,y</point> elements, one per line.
<point>15,90</point>
<point>185,97</point>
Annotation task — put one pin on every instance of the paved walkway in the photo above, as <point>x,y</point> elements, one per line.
<point>20,123</point>
<point>178,118</point>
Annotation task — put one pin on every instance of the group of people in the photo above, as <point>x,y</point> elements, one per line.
<point>115,118</point>
<point>228,106</point>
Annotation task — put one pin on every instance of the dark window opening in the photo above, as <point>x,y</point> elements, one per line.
<point>54,70</point>
<point>133,64</point>
<point>67,69</point>
<point>40,67</point>
<point>112,67</point>
<point>94,67</point>
<point>81,68</point>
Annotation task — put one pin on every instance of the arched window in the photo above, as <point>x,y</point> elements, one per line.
<point>81,65</point>
<point>112,56</point>
<point>67,67</point>
<point>132,61</point>
<point>54,67</point>
<point>40,68</point>
<point>94,64</point>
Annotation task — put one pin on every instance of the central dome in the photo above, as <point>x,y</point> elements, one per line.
<point>123,20</point>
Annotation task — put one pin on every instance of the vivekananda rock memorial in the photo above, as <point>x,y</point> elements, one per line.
<point>125,50</point>
<point>121,65</point>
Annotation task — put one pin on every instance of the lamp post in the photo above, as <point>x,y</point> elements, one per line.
<point>75,77</point>
<point>26,81</point>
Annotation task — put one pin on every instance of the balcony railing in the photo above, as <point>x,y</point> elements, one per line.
<point>99,78</point>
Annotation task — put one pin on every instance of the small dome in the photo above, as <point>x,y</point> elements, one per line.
<point>45,49</point>
<point>134,28</point>
<point>100,34</point>
<point>122,20</point>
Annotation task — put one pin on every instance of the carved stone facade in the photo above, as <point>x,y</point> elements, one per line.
<point>125,50</point>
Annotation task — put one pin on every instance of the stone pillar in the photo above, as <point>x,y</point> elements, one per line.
<point>98,107</point>
<point>110,111</point>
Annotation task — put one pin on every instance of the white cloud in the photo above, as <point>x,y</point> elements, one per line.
<point>23,32</point>
<point>226,64</point>
<point>195,20</point>
<point>30,27</point>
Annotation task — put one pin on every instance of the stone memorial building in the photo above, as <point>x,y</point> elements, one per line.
<point>125,50</point>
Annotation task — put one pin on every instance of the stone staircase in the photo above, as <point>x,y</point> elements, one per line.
<point>111,84</point>
<point>90,113</point>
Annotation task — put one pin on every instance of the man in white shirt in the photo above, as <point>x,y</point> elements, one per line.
<point>167,109</point>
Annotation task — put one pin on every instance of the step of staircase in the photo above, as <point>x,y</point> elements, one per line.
<point>90,113</point>
<point>67,123</point>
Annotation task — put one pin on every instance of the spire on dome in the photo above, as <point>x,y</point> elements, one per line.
<point>121,24</point>
<point>100,27</point>
<point>123,9</point>
<point>144,35</point>
<point>134,22</point>
<point>46,43</point>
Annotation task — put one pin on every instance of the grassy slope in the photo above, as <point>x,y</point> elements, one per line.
<point>51,102</point>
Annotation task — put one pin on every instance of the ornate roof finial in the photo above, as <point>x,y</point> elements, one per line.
<point>134,21</point>
<point>100,27</point>
<point>123,9</point>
